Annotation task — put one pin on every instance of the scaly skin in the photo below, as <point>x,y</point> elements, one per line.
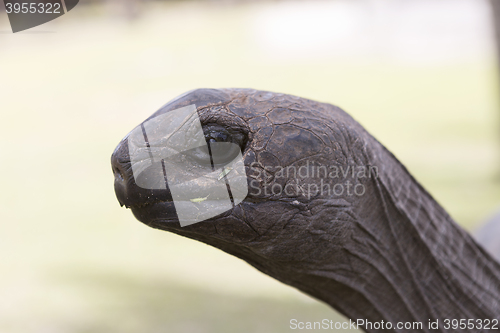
<point>391,254</point>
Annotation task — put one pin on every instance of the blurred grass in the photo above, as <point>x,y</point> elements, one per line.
<point>73,260</point>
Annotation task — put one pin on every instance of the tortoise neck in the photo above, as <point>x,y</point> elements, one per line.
<point>405,260</point>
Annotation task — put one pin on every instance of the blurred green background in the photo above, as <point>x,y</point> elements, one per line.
<point>419,75</point>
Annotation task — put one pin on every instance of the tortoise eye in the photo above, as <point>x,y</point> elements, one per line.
<point>222,146</point>
<point>217,137</point>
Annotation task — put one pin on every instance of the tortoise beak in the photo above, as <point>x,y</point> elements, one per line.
<point>127,192</point>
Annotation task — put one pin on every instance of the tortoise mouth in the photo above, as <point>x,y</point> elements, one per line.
<point>156,214</point>
<point>147,212</point>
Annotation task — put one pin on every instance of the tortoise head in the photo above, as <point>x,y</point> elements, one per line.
<point>259,181</point>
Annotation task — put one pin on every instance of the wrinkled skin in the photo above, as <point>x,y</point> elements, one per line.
<point>390,253</point>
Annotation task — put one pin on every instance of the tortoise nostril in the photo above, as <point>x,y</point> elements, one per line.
<point>118,174</point>
<point>120,185</point>
<point>118,170</point>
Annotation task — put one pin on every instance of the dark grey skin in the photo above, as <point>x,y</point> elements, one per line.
<point>392,254</point>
